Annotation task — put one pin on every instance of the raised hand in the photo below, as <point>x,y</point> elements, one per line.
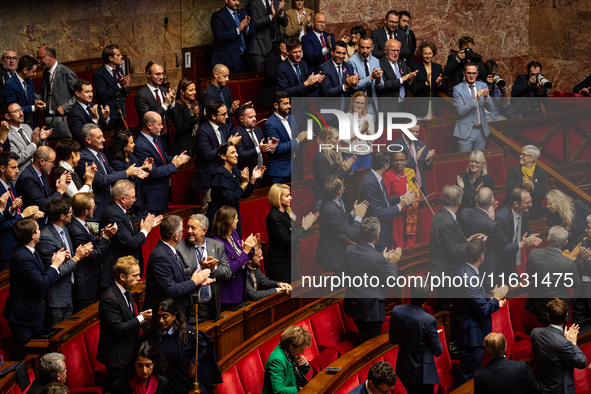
<point>500,292</point>
<point>347,164</point>
<point>147,166</point>
<point>59,257</point>
<point>181,159</point>
<point>235,139</point>
<point>3,201</point>
<point>479,187</point>
<point>125,81</point>
<point>460,181</point>
<point>109,230</point>
<point>420,152</point>
<point>105,111</point>
<point>244,23</point>
<point>361,208</point>
<point>17,203</point>
<point>4,127</point>
<point>273,144</point>
<point>63,181</point>
<point>244,175</point>
<point>309,220</point>
<point>258,172</point>
<point>94,112</point>
<point>40,105</point>
<point>82,252</point>
<point>169,98</point>
<point>89,172</point>
<point>393,256</point>
<point>199,277</point>
<point>439,79</point>
<point>209,263</point>
<point>44,133</point>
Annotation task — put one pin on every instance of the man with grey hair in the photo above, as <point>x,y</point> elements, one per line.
<point>165,272</point>
<point>105,177</point>
<point>52,369</point>
<point>448,242</point>
<point>366,304</point>
<point>480,219</point>
<point>128,239</point>
<point>8,67</point>
<point>556,274</point>
<point>200,253</point>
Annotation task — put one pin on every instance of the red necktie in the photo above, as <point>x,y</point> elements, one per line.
<point>12,196</point>
<point>391,36</point>
<point>323,46</point>
<point>159,152</point>
<point>115,76</point>
<point>164,128</point>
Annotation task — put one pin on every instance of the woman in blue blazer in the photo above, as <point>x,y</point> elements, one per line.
<point>429,82</point>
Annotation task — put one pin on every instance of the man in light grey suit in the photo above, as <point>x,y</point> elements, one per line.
<point>368,68</point>
<point>57,91</point>
<point>211,255</point>
<point>23,140</point>
<point>470,98</point>
<point>556,353</point>
<point>265,16</point>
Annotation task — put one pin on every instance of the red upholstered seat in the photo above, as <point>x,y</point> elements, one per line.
<point>501,322</point>
<point>583,376</point>
<point>86,74</point>
<point>431,184</point>
<point>249,90</point>
<point>308,152</point>
<point>151,241</point>
<point>307,257</point>
<point>522,320</point>
<point>80,371</point>
<point>330,330</point>
<point>349,385</point>
<point>182,192</point>
<point>302,202</point>
<point>17,389</point>
<point>130,112</point>
<point>495,166</point>
<point>232,383</point>
<point>4,330</point>
<point>560,93</point>
<point>267,348</point>
<point>253,215</point>
<point>445,366</point>
<point>248,367</point>
<point>446,173</point>
<point>318,360</point>
<point>442,139</point>
<point>91,337</point>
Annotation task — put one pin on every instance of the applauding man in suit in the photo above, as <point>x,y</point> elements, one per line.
<point>339,76</point>
<point>19,89</point>
<point>293,75</point>
<point>111,86</point>
<point>390,31</point>
<point>84,111</point>
<point>317,43</point>
<point>397,77</point>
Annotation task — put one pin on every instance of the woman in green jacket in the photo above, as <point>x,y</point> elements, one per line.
<point>286,367</point>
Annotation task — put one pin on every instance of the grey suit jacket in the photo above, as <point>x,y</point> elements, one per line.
<point>466,109</point>
<point>63,88</point>
<point>25,150</point>
<point>215,249</point>
<point>59,294</point>
<point>261,43</point>
<point>268,286</point>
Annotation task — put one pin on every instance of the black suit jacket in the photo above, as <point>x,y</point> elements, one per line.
<point>108,92</point>
<point>127,241</point>
<point>469,196</point>
<point>322,169</point>
<point>585,84</point>
<point>29,187</point>
<point>379,38</point>
<point>515,179</point>
<point>206,146</point>
<point>119,329</point>
<point>121,386</point>
<point>502,375</point>
<point>504,217</point>
<point>79,116</point>
<point>7,241</point>
<point>409,45</point>
<point>411,162</point>
<point>212,93</point>
<point>4,76</point>
<point>524,96</point>
<point>420,89</point>
<point>391,82</point>
<point>184,123</point>
<point>287,79</point>
<point>86,275</point>
<point>267,286</point>
<point>330,86</point>
<point>448,242</point>
<point>247,153</point>
<point>145,101</point>
<point>577,233</point>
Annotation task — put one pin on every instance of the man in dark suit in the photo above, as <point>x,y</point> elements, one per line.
<point>118,318</point>
<point>258,286</point>
<point>111,86</point>
<point>29,279</point>
<point>199,253</point>
<point>57,91</point>
<point>527,93</point>
<point>217,90</point>
<point>8,66</point>
<point>478,220</point>
<point>513,219</point>
<point>339,76</point>
<point>415,332</point>
<point>85,112</point>
<point>266,18</point>
<point>286,73</point>
<point>550,263</point>
<point>336,226</point>
<point>52,369</point>
<point>502,375</point>
<point>384,207</point>
<point>165,273</point>
<point>86,274</point>
<point>129,239</point>
<point>455,63</point>
<point>388,32</point>
<point>105,177</point>
<point>556,353</point>
<point>581,298</point>
<point>397,77</point>
<point>148,145</point>
<point>381,378</point>
<point>211,134</point>
<point>230,26</point>
<point>472,309</point>
<point>19,89</point>
<point>413,150</point>
<point>366,305</point>
<point>281,127</point>
<point>155,97</point>
<point>54,238</point>
<point>583,87</point>
<point>317,43</point>
<point>409,41</point>
<point>33,184</point>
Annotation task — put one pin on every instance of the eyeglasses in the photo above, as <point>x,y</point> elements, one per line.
<point>393,50</point>
<point>16,111</point>
<point>525,155</point>
<point>131,198</point>
<point>13,58</point>
<point>355,34</point>
<point>474,162</point>
<point>65,370</point>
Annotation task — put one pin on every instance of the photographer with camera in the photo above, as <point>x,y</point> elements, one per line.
<point>498,91</point>
<point>454,68</point>
<point>527,86</point>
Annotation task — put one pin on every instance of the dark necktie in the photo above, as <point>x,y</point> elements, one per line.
<point>115,76</point>
<point>26,93</point>
<point>273,21</point>
<point>385,193</point>
<point>45,186</point>
<point>24,136</point>
<point>369,90</point>
<point>178,261</point>
<point>89,111</point>
<point>299,75</point>
<point>101,161</point>
<point>159,102</point>
<point>130,304</point>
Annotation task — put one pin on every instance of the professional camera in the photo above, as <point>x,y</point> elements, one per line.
<point>469,53</point>
<point>500,82</point>
<point>545,83</point>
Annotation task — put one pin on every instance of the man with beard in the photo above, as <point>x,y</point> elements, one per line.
<point>409,41</point>
<point>370,73</point>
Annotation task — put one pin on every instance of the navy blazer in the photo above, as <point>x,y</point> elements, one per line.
<point>392,85</point>
<point>586,83</point>
<point>212,92</point>
<point>59,294</point>
<point>411,162</point>
<point>471,319</point>
<point>280,161</point>
<point>29,280</point>
<point>409,45</point>
<point>108,91</point>
<point>448,242</point>
<point>206,146</point>
<point>540,179</point>
<point>247,153</point>
<point>555,358</point>
<point>287,80</point>
<point>330,84</point>
<point>32,190</point>
<point>504,217</point>
<point>367,303</point>
<point>420,89</point>
<point>79,116</point>
<point>361,389</point>
<point>101,185</point>
<point>127,241</point>
<point>7,241</point>
<point>145,101</point>
<point>379,39</point>
<point>502,375</point>
<point>226,39</point>
<point>415,332</point>
<point>166,279</point>
<point>86,274</point>
<point>157,184</point>
<point>371,191</point>
<point>313,49</point>
<point>13,91</point>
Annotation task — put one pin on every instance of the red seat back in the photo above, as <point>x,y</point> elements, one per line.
<point>446,173</point>
<point>182,192</point>
<point>251,372</point>
<point>328,326</point>
<point>443,362</point>
<point>80,371</point>
<point>307,256</point>
<point>130,112</point>
<point>249,90</point>
<point>253,216</point>
<point>302,202</point>
<point>501,322</point>
<point>442,139</point>
<point>232,383</point>
<point>522,320</point>
<point>583,376</point>
<point>17,389</point>
<point>91,337</point>
<point>495,166</point>
<point>151,241</point>
<point>4,330</point>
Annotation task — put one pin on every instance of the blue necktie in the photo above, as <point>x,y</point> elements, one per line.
<point>299,75</point>
<point>226,103</point>
<point>397,71</point>
<point>242,45</point>
<point>63,234</point>
<point>204,292</point>
<point>45,186</point>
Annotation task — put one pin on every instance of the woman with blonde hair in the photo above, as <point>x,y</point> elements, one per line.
<point>287,366</point>
<point>362,149</point>
<point>475,178</point>
<point>530,176</point>
<point>284,235</point>
<point>572,215</point>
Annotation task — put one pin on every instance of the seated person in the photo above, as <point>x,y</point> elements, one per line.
<point>256,280</point>
<point>286,366</point>
<point>381,378</point>
<point>144,373</point>
<point>52,369</point>
<point>525,88</point>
